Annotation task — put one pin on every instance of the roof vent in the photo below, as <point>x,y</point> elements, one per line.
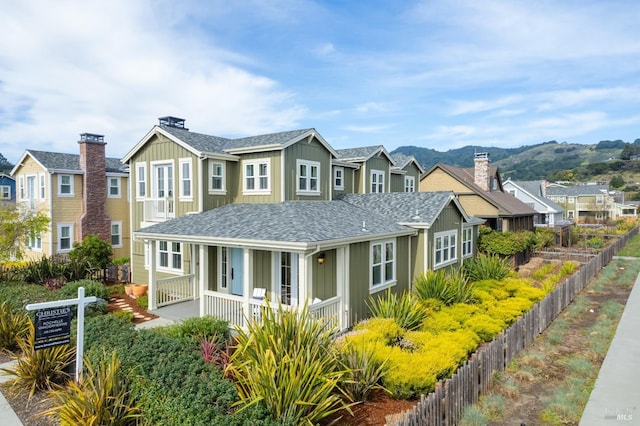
<point>91,137</point>
<point>176,122</point>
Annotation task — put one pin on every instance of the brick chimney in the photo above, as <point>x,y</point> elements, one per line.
<point>94,219</point>
<point>481,170</point>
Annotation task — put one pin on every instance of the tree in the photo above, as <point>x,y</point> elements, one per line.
<point>16,227</point>
<point>92,253</point>
<point>5,166</point>
<point>616,182</point>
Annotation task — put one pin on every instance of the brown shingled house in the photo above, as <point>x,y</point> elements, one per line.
<point>480,192</point>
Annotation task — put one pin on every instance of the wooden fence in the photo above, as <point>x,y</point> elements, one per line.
<point>445,405</point>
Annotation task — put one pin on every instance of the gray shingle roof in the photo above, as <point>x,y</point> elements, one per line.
<point>358,154</point>
<point>534,187</point>
<point>403,207</point>
<point>71,162</point>
<point>215,144</point>
<point>291,221</point>
<point>576,190</point>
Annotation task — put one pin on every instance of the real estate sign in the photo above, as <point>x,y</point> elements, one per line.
<point>53,327</point>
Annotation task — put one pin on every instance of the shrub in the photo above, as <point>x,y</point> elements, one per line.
<point>504,243</point>
<point>441,321</point>
<point>484,326</point>
<point>407,313</point>
<point>509,310</point>
<point>194,329</point>
<point>53,270</point>
<point>125,315</point>
<point>385,330</point>
<point>447,287</point>
<point>101,397</point>
<point>364,371</point>
<point>143,301</point>
<point>91,253</point>
<point>542,271</point>
<point>40,370</point>
<point>543,238</point>
<point>14,325</point>
<point>91,288</point>
<point>288,366</point>
<point>568,268</point>
<point>595,242</point>
<point>20,294</point>
<point>486,267</point>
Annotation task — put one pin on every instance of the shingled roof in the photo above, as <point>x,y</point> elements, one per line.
<point>577,190</point>
<point>56,161</point>
<point>295,222</point>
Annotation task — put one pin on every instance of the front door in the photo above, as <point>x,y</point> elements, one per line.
<point>237,271</point>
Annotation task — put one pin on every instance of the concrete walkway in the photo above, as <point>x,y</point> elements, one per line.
<point>7,415</point>
<point>615,399</point>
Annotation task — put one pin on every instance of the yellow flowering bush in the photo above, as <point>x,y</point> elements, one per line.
<point>485,326</point>
<point>509,310</point>
<point>532,293</point>
<point>441,321</point>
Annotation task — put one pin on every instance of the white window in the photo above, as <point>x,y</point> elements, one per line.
<point>35,242</point>
<point>570,214</point>
<point>65,185</point>
<point>600,215</point>
<point>308,176</point>
<point>141,177</point>
<point>288,278</point>
<point>377,181</point>
<point>185,179</point>
<point>571,200</point>
<point>65,237</point>
<point>494,184</point>
<point>409,184</point>
<point>43,193</point>
<point>224,267</point>
<point>445,248</point>
<point>169,255</point>
<point>5,191</point>
<point>511,192</point>
<point>467,242</point>
<point>216,176</point>
<point>599,199</point>
<point>21,187</point>
<point>116,234</point>
<point>256,176</point>
<point>338,177</point>
<point>113,187</point>
<point>383,267</point>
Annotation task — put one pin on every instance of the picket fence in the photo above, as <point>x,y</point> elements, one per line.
<point>444,406</point>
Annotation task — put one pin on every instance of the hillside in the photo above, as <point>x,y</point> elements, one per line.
<point>530,162</point>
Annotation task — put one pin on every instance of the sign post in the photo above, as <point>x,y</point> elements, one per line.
<point>53,324</point>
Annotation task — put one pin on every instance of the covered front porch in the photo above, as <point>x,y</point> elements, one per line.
<point>236,283</point>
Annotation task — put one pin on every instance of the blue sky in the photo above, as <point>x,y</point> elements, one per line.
<point>437,74</point>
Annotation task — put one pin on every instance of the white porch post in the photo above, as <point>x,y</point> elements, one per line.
<point>305,278</point>
<point>203,276</point>
<point>341,285</point>
<point>152,275</point>
<point>247,280</point>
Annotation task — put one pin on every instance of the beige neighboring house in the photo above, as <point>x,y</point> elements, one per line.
<point>590,203</point>
<point>82,194</point>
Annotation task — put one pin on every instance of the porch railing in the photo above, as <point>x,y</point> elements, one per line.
<point>176,289</point>
<point>236,309</point>
<point>159,209</point>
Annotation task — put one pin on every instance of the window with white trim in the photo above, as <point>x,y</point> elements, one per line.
<point>35,242</point>
<point>444,248</point>
<point>338,177</point>
<point>65,185</point>
<point>224,267</point>
<point>116,234</point>
<point>185,178</point>
<point>467,242</point>
<point>511,192</point>
<point>141,180</point>
<point>570,214</point>
<point>256,176</point>
<point>5,191</point>
<point>571,200</point>
<point>169,255</point>
<point>113,187</point>
<point>308,175</point>
<point>377,181</point>
<point>383,267</point>
<point>43,193</point>
<point>21,186</point>
<point>409,184</point>
<point>288,278</point>
<point>65,237</point>
<point>599,199</point>
<point>216,176</point>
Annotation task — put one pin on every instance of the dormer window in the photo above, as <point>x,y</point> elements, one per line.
<point>256,177</point>
<point>308,177</point>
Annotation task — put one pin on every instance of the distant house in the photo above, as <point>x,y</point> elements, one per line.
<point>586,203</point>
<point>532,193</point>
<point>7,190</point>
<point>481,194</point>
<point>282,217</point>
<point>82,194</point>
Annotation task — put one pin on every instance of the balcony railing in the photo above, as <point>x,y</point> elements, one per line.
<point>159,209</point>
<point>176,289</point>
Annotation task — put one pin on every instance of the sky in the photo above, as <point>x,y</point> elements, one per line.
<point>435,74</point>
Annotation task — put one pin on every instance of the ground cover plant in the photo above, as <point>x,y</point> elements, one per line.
<point>550,382</point>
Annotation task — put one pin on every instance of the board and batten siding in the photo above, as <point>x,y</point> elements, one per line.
<point>262,275</point>
<point>349,181</point>
<point>324,276</point>
<point>397,182</point>
<point>377,163</point>
<point>307,150</point>
<point>450,219</point>
<point>215,199</point>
